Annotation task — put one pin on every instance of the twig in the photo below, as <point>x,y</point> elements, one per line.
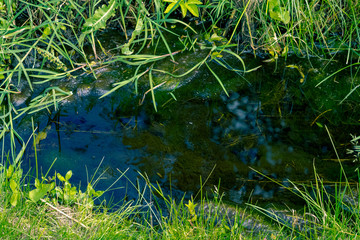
<point>61,212</point>
<point>159,85</point>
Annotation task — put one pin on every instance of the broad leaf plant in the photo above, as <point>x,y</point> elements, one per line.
<point>185,5</point>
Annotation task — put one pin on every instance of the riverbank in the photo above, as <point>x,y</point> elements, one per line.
<point>57,209</point>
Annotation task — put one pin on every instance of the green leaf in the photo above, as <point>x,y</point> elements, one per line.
<point>66,197</point>
<point>191,207</point>
<point>216,37</point>
<point>90,190</point>
<point>13,185</point>
<point>15,198</point>
<point>193,9</point>
<point>38,193</point>
<point>278,13</point>
<point>61,178</point>
<point>68,175</point>
<point>37,183</point>
<point>17,174</point>
<point>2,75</point>
<point>216,55</point>
<point>98,20</point>
<point>98,193</point>
<point>273,3</point>
<point>285,51</point>
<point>101,15</point>
<point>194,2</point>
<point>9,171</point>
<point>59,192</point>
<point>41,135</point>
<point>72,191</point>
<point>183,9</point>
<point>319,125</point>
<point>171,5</point>
<point>125,49</point>
<point>190,5</point>
<point>138,28</point>
<point>194,218</point>
<point>47,31</point>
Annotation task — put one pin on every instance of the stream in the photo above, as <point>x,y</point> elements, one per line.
<point>272,125</point>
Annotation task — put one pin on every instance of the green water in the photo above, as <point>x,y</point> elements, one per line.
<point>268,123</point>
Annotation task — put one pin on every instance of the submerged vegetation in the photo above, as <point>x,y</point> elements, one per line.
<point>43,41</point>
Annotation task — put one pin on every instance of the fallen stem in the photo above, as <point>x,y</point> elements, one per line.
<point>61,212</point>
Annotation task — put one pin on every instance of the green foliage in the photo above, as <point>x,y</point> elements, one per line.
<point>98,19</point>
<point>334,213</point>
<point>191,207</point>
<point>185,5</point>
<point>278,13</point>
<point>41,190</point>
<point>125,49</point>
<point>50,97</point>
<point>355,150</point>
<point>5,61</point>
<point>7,9</point>
<point>11,185</point>
<point>64,193</point>
<point>68,194</point>
<point>15,196</point>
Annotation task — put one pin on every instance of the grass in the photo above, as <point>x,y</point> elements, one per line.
<point>326,215</point>
<point>329,213</point>
<point>47,40</point>
<point>54,216</point>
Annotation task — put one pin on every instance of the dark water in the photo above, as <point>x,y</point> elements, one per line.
<point>267,123</point>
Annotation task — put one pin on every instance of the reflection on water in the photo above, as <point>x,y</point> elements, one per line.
<point>216,140</point>
<point>176,146</point>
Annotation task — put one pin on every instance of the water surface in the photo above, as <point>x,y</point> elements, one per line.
<point>267,123</point>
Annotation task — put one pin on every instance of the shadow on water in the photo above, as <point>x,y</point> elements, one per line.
<point>267,125</point>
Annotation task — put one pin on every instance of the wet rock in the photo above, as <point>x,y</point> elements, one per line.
<point>84,90</point>
<point>19,99</point>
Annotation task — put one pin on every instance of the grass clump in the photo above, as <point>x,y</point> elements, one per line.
<point>305,27</point>
<point>330,212</point>
<point>31,221</point>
